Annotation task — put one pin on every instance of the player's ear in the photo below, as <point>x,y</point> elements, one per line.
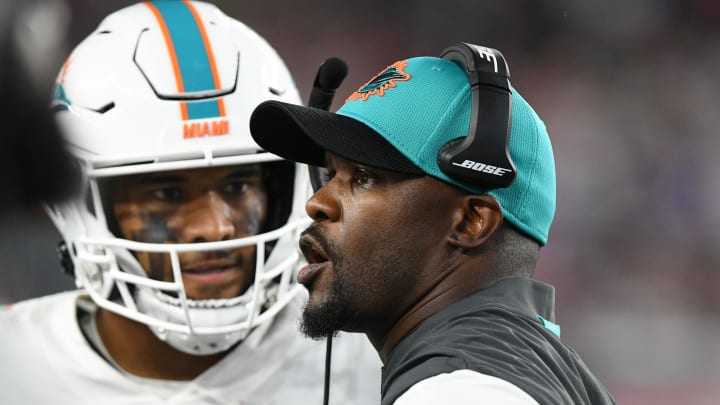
<point>477,218</point>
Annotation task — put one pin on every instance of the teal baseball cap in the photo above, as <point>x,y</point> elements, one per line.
<point>401,118</point>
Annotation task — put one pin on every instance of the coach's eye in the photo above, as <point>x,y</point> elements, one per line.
<point>363,177</point>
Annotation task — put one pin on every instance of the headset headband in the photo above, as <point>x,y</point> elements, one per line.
<point>482,157</point>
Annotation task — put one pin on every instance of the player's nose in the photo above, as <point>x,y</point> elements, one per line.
<point>208,218</point>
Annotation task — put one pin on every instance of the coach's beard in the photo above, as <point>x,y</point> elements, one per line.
<point>327,318</point>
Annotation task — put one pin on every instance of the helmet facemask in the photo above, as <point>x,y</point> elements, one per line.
<point>142,279</point>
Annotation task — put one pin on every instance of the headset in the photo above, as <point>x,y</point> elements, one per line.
<point>482,157</point>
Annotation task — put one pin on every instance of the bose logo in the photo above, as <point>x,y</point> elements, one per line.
<point>486,53</point>
<point>482,167</point>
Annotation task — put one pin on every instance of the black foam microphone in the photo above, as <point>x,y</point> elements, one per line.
<point>329,76</point>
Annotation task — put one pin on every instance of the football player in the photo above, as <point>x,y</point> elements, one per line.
<point>182,234</point>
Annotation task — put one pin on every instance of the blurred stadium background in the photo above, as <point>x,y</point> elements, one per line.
<point>629,90</point>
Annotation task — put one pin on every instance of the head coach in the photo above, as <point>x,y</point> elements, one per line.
<point>439,195</point>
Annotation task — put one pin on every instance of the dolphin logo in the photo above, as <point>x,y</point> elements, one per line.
<point>380,83</point>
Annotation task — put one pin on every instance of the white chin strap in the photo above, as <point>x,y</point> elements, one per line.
<point>202,317</point>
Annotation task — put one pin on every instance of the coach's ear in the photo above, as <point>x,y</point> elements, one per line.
<point>477,219</point>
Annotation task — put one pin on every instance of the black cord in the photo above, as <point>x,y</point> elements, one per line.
<point>330,75</point>
<point>328,357</point>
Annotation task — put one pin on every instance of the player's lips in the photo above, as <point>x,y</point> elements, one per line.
<point>209,271</point>
<point>316,258</point>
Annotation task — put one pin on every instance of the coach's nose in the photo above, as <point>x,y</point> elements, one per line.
<point>324,205</point>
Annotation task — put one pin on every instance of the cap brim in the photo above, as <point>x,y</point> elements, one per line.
<point>304,134</point>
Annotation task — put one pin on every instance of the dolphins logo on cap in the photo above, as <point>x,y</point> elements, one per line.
<point>383,81</point>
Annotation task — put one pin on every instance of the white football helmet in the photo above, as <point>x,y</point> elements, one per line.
<point>169,85</point>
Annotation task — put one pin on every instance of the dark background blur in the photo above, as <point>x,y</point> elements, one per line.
<point>629,92</point>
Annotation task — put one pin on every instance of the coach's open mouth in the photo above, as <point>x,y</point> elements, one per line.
<point>316,258</point>
<point>313,253</point>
